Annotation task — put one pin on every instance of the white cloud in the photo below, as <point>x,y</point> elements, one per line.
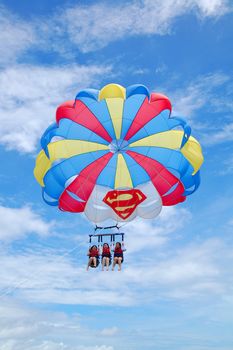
<point>192,273</point>
<point>29,96</point>
<point>15,223</point>
<point>149,234</point>
<point>16,37</point>
<point>23,327</point>
<point>48,345</point>
<point>199,93</point>
<point>93,27</point>
<point>51,330</point>
<point>222,134</point>
<point>196,270</point>
<point>207,94</point>
<point>52,278</point>
<point>109,332</point>
<point>212,7</point>
<point>23,323</point>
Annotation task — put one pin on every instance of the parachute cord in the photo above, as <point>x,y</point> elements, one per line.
<point>8,291</point>
<point>123,225</point>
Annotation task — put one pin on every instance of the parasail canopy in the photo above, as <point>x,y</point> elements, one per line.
<point>117,153</point>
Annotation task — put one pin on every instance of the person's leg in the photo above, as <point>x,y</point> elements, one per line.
<point>119,264</point>
<point>94,261</point>
<point>114,263</point>
<point>89,263</point>
<point>103,263</point>
<point>107,263</point>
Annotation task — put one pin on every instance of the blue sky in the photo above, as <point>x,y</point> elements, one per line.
<point>177,293</point>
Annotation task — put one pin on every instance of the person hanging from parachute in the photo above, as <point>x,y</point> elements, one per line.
<point>106,256</point>
<point>117,154</point>
<point>106,249</point>
<point>93,254</point>
<point>118,256</point>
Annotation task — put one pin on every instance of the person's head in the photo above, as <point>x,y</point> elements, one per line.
<point>94,247</point>
<point>118,245</point>
<point>105,245</point>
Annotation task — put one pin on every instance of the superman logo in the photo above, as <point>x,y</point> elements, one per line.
<point>124,202</point>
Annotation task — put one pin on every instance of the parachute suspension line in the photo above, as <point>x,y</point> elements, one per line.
<point>100,240</point>
<point>123,224</point>
<point>95,214</point>
<point>122,241</point>
<point>113,242</point>
<point>90,241</point>
<point>112,236</point>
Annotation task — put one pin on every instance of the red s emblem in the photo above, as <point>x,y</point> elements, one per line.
<point>124,202</point>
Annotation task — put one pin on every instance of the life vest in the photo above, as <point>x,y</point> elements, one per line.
<point>93,253</point>
<point>118,251</point>
<point>106,251</point>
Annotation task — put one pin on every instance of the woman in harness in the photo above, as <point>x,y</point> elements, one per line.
<point>106,256</point>
<point>118,256</point>
<point>93,254</point>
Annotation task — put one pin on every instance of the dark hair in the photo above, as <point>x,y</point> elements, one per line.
<point>93,247</point>
<point>118,243</point>
<point>106,244</point>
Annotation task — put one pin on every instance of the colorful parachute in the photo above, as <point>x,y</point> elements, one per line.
<point>116,153</point>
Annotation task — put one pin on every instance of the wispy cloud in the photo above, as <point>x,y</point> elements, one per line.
<point>95,26</point>
<point>108,332</point>
<point>222,134</point>
<point>30,94</point>
<point>16,223</point>
<point>89,28</point>
<point>204,91</point>
<point>150,234</point>
<point>23,327</point>
<point>227,167</point>
<point>209,94</point>
<point>193,271</point>
<point>17,36</point>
